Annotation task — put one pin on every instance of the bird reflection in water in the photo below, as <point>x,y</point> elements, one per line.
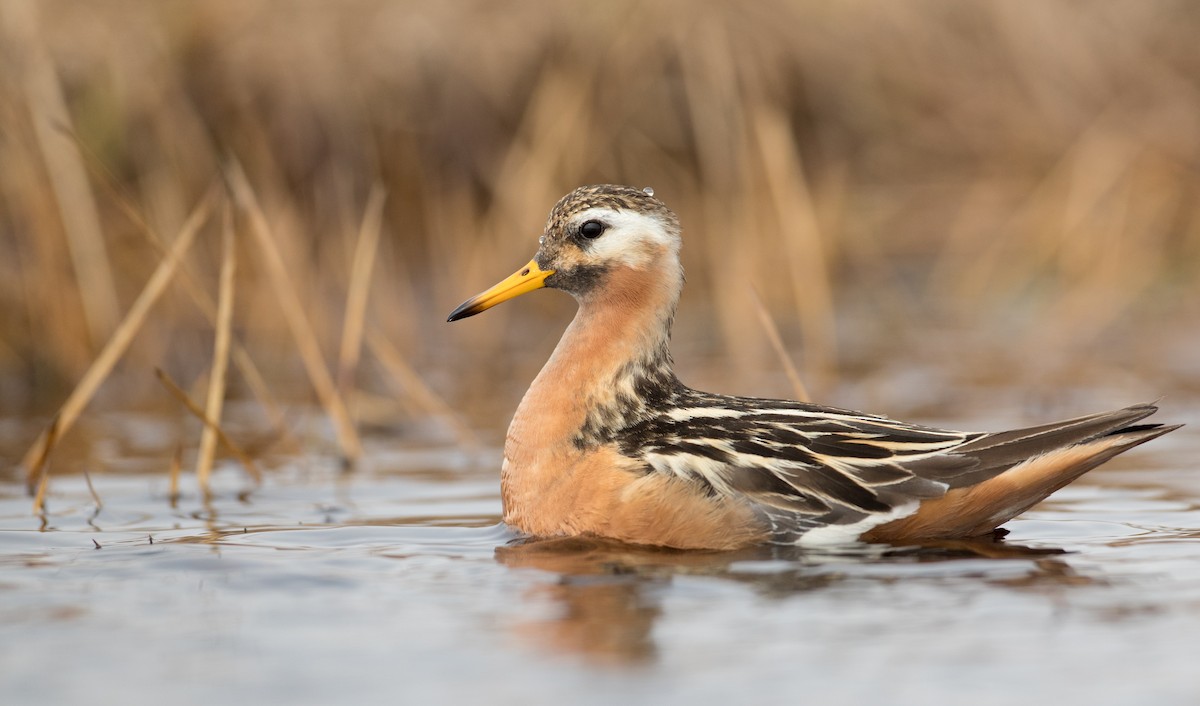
<point>609,594</point>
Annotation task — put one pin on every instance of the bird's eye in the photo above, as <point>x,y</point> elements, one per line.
<point>591,229</point>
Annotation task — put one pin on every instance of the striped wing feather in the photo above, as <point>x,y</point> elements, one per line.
<point>807,466</point>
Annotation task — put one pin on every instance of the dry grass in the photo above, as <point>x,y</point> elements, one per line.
<point>1010,185</point>
<point>365,250</point>
<point>121,338</point>
<point>215,400</point>
<point>210,425</point>
<point>173,471</point>
<point>799,391</point>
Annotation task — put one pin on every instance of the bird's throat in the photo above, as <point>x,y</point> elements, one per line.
<point>611,366</point>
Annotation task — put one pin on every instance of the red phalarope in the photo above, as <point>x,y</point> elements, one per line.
<point>608,442</point>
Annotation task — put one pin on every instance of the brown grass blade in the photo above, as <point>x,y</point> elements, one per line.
<point>44,444</point>
<point>68,177</point>
<point>234,447</point>
<point>87,477</point>
<point>216,378</point>
<point>134,318</point>
<point>39,498</point>
<point>293,311</point>
<point>409,381</point>
<point>807,252</point>
<point>772,331</point>
<point>203,301</point>
<point>360,286</point>
<point>258,387</point>
<point>173,475</point>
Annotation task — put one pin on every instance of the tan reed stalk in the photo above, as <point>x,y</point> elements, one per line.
<point>87,477</point>
<point>234,448</point>
<point>134,318</point>
<point>201,298</point>
<point>36,477</point>
<point>43,280</point>
<point>39,498</point>
<point>807,254</point>
<point>173,475</point>
<point>768,323</point>
<point>293,311</point>
<point>360,286</point>
<point>68,176</point>
<point>409,381</point>
<point>258,387</point>
<point>216,378</point>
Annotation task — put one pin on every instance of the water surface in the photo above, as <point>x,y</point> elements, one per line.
<point>397,584</point>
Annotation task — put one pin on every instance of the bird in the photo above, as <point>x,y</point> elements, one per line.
<point>608,442</point>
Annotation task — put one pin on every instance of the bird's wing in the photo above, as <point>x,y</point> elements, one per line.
<point>807,466</point>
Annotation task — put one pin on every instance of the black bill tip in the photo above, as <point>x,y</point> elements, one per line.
<point>468,308</point>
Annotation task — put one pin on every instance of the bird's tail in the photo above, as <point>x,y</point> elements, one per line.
<point>1032,463</point>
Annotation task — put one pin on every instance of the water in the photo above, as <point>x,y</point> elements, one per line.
<point>397,584</point>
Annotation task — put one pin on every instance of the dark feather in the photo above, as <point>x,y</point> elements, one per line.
<point>808,466</point>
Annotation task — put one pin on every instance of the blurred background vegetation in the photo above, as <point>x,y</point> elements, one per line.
<point>941,205</point>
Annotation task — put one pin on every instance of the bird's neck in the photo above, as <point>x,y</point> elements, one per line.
<point>610,368</point>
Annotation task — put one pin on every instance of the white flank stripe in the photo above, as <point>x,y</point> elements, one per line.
<point>683,414</point>
<point>689,467</point>
<point>847,534</point>
<point>914,448</point>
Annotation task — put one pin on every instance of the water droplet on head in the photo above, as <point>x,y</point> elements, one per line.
<point>542,240</point>
<point>649,191</point>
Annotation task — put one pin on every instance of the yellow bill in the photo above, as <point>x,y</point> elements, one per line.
<point>526,279</point>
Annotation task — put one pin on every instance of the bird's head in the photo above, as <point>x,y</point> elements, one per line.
<point>593,233</point>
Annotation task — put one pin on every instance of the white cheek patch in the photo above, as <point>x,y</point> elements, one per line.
<point>631,238</point>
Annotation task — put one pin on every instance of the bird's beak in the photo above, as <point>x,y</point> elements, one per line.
<point>526,279</point>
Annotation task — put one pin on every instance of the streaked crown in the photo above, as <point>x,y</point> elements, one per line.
<point>596,228</point>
